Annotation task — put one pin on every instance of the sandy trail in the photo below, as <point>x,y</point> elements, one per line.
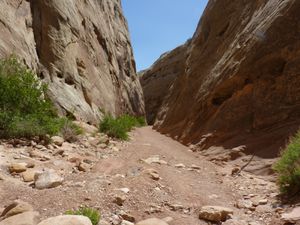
<point>179,192</point>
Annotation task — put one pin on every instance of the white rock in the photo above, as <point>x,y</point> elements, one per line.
<point>124,190</point>
<point>154,159</point>
<point>168,219</point>
<point>195,167</point>
<point>48,179</point>
<point>125,222</point>
<point>244,204</point>
<point>67,220</point>
<point>254,223</point>
<point>213,196</point>
<point>180,166</point>
<point>293,216</point>
<point>115,149</point>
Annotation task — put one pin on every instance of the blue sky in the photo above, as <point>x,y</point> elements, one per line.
<point>157,26</point>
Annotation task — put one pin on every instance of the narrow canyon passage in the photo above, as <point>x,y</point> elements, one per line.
<point>229,91</point>
<point>154,175</point>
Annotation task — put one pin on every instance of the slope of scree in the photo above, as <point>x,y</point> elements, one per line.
<point>241,79</point>
<point>80,48</point>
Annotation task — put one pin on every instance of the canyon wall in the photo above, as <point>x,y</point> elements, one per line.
<point>80,48</point>
<point>241,84</point>
<point>157,80</point>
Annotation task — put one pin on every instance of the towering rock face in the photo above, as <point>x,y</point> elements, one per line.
<point>242,82</point>
<point>81,48</point>
<point>157,80</point>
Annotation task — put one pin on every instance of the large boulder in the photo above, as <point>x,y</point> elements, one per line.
<point>17,207</point>
<point>293,216</point>
<point>81,49</point>
<point>67,220</point>
<point>26,218</point>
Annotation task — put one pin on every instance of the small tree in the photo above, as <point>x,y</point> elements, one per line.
<point>24,109</point>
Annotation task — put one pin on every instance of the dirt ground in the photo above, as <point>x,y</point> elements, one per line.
<point>187,181</point>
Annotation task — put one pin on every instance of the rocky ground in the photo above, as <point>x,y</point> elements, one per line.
<point>151,176</point>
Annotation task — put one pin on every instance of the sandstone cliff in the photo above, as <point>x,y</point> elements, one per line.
<point>241,81</point>
<point>157,80</point>
<point>80,48</point>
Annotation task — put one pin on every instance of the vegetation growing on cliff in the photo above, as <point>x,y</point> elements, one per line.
<point>24,110</point>
<point>288,167</point>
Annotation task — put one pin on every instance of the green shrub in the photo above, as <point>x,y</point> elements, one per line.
<point>112,128</point>
<point>33,125</point>
<point>288,167</point>
<point>24,110</point>
<point>119,127</point>
<point>92,214</point>
<point>141,121</point>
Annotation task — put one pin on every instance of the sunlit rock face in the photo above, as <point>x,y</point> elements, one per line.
<point>241,80</point>
<point>81,48</point>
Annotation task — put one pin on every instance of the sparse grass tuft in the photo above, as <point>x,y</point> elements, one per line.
<point>119,127</point>
<point>92,214</point>
<point>70,130</point>
<point>288,167</point>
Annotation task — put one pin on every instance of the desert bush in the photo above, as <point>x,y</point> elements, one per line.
<point>92,214</point>
<point>141,121</point>
<point>288,167</point>
<point>70,130</point>
<point>24,109</point>
<point>119,127</point>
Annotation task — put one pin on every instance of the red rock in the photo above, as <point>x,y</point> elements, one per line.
<point>240,80</point>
